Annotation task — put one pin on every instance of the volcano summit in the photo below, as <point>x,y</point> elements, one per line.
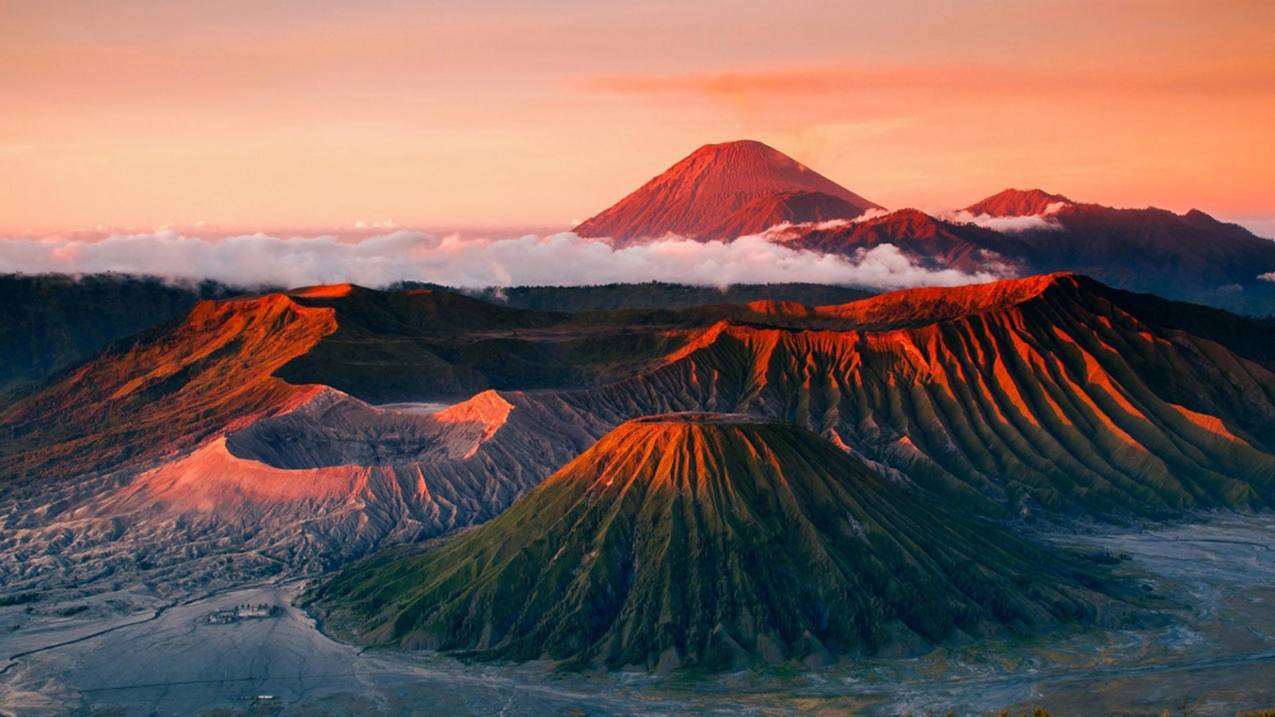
<point>722,190</point>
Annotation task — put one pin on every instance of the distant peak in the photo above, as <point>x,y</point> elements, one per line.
<point>696,195</point>
<point>1201,216</point>
<point>1018,203</point>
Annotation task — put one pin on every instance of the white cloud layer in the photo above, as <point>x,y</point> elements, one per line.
<point>259,260</point>
<point>1008,225</point>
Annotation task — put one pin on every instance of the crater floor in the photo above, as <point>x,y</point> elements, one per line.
<point>129,653</point>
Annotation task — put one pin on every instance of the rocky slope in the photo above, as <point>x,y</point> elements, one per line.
<point>303,491</point>
<point>724,191</point>
<point>710,186</point>
<point>1052,394</point>
<point>714,541</point>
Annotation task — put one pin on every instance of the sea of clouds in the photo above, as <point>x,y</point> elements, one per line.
<point>260,260</point>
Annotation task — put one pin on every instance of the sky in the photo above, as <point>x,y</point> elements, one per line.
<point>313,115</point>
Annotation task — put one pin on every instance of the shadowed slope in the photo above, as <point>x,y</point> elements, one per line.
<point>49,322</point>
<point>782,208</point>
<point>708,540</point>
<point>930,242</point>
<point>693,196</point>
<point>659,295</point>
<point>165,391</point>
<point>1189,256</point>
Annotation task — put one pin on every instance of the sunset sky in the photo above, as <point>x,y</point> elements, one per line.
<point>310,115</point>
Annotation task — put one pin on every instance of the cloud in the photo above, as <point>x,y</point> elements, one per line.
<point>1008,225</point>
<point>788,231</point>
<point>1268,276</point>
<point>259,260</point>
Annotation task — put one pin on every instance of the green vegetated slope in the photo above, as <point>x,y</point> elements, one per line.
<point>660,295</point>
<point>50,322</point>
<point>716,541</point>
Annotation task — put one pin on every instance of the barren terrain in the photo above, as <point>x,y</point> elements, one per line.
<point>1215,657</point>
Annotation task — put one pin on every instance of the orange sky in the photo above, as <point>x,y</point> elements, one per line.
<point>319,114</point>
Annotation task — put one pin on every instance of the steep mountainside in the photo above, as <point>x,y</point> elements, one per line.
<point>1052,393</point>
<point>712,541</point>
<point>50,322</point>
<point>783,208</point>
<point>727,190</point>
<point>693,197</point>
<point>162,392</point>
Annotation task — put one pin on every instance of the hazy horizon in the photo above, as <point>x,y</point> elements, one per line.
<point>318,115</point>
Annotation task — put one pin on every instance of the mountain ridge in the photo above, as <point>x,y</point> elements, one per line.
<point>1018,203</point>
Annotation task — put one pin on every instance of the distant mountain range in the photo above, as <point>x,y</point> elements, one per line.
<point>724,191</point>
<point>1191,256</point>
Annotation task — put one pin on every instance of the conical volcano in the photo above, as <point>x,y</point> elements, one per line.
<point>700,196</point>
<point>711,540</point>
